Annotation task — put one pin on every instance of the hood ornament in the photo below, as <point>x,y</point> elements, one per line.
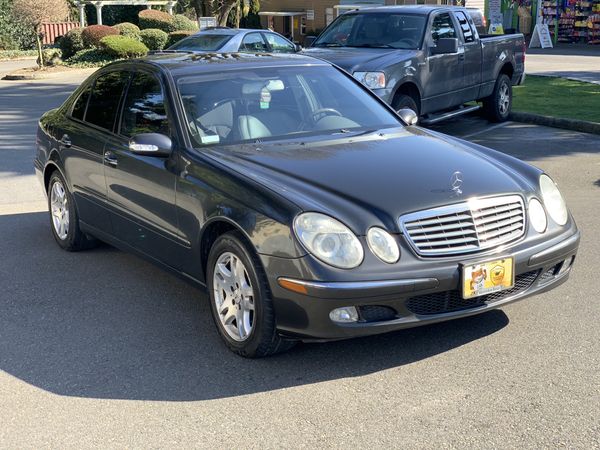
<point>456,181</point>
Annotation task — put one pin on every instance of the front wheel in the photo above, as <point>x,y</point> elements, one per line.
<point>498,105</point>
<point>240,300</point>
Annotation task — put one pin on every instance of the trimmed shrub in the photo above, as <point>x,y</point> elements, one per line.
<point>94,33</point>
<point>90,57</point>
<point>128,29</point>
<point>152,18</point>
<point>52,57</point>
<point>182,23</point>
<point>176,36</point>
<point>153,38</point>
<point>71,43</point>
<point>122,47</point>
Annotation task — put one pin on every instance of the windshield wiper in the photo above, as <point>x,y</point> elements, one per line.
<point>372,46</point>
<point>328,44</point>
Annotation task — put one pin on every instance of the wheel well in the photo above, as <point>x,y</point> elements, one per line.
<point>411,90</point>
<point>50,169</point>
<point>507,69</point>
<point>210,235</point>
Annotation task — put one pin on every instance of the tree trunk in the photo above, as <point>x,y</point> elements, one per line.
<point>223,12</point>
<point>39,48</point>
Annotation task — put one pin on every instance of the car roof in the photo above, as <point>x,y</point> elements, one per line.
<point>189,63</point>
<point>409,9</point>
<point>228,31</point>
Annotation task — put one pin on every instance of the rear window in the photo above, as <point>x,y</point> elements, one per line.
<point>465,26</point>
<point>104,103</point>
<point>202,42</point>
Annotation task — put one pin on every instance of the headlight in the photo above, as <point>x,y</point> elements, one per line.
<point>553,200</point>
<point>329,240</point>
<point>383,245</point>
<point>537,215</point>
<point>372,80</point>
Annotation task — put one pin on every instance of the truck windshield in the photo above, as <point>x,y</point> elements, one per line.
<point>374,30</point>
<point>278,102</point>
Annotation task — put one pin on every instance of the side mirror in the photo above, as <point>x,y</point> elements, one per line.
<point>445,45</point>
<point>151,144</point>
<point>308,40</point>
<point>408,116</point>
<point>297,48</point>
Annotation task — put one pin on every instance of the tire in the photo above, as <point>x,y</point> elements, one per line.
<point>64,221</point>
<point>405,101</point>
<point>498,105</point>
<point>247,296</point>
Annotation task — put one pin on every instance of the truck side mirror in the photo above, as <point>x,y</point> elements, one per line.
<point>445,45</point>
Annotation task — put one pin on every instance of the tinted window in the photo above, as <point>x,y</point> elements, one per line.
<point>144,107</point>
<point>103,105</point>
<point>253,42</point>
<point>374,30</point>
<point>205,42</point>
<point>465,26</point>
<point>265,103</point>
<point>80,104</point>
<point>442,27</point>
<point>279,44</point>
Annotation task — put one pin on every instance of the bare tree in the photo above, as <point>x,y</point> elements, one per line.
<point>34,12</point>
<point>217,8</point>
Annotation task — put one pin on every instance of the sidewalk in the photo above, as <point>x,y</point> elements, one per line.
<point>573,61</point>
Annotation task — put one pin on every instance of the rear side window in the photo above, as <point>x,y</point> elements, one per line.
<point>465,27</point>
<point>144,108</point>
<point>442,27</point>
<point>104,103</point>
<point>80,104</point>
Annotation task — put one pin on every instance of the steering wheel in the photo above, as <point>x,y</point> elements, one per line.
<point>325,112</point>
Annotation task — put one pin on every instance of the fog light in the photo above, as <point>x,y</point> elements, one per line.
<point>566,265</point>
<point>346,314</point>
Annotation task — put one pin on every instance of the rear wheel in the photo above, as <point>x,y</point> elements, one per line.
<point>498,105</point>
<point>64,221</point>
<point>240,299</point>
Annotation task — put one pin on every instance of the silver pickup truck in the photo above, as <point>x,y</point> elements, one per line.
<point>430,59</point>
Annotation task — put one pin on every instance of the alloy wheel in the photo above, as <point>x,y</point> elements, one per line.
<point>233,296</point>
<point>60,210</point>
<point>504,99</point>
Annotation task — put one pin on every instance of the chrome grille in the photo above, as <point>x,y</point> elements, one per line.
<point>465,227</point>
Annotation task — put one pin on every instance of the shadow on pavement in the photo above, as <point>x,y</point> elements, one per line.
<point>105,324</point>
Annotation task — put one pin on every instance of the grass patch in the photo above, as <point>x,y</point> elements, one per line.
<point>558,97</point>
<point>6,55</point>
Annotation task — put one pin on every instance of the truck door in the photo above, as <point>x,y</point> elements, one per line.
<point>444,72</point>
<point>472,56</point>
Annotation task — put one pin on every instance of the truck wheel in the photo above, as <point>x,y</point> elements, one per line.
<point>497,106</point>
<point>240,299</point>
<point>405,101</point>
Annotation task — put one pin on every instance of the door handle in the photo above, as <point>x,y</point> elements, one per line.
<point>65,140</point>
<point>110,158</point>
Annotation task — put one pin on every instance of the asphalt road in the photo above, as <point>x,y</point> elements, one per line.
<point>101,349</point>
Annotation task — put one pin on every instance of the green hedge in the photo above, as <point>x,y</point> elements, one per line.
<point>122,47</point>
<point>94,33</point>
<point>71,43</point>
<point>152,18</point>
<point>90,57</point>
<point>176,36</point>
<point>182,23</point>
<point>128,29</point>
<point>153,38</point>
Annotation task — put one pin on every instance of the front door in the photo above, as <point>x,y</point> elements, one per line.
<point>141,189</point>
<point>444,72</point>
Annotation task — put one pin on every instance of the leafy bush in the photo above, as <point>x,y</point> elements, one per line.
<point>15,32</point>
<point>129,30</point>
<point>94,33</point>
<point>90,57</point>
<point>7,43</point>
<point>71,43</point>
<point>122,47</point>
<point>182,23</point>
<point>176,36</point>
<point>153,38</point>
<point>52,56</point>
<point>152,18</point>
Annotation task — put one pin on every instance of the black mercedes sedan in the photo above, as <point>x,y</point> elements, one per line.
<point>304,204</point>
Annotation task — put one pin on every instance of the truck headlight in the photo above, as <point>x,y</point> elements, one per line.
<point>372,80</point>
<point>383,245</point>
<point>329,240</point>
<point>537,215</point>
<point>553,200</point>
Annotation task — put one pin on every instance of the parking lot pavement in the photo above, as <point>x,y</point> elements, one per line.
<point>579,63</point>
<point>102,349</point>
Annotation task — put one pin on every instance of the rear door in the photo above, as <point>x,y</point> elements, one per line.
<point>444,73</point>
<point>472,56</point>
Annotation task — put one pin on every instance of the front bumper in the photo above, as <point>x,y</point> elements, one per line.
<point>388,305</point>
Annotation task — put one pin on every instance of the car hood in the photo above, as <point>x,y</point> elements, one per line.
<point>353,59</point>
<point>375,177</point>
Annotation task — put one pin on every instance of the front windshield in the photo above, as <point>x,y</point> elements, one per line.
<point>202,42</point>
<point>374,30</point>
<point>274,103</point>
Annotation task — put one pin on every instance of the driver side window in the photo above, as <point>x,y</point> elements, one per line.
<point>442,27</point>
<point>253,42</point>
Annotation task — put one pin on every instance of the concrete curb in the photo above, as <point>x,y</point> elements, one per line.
<point>11,77</point>
<point>556,122</point>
